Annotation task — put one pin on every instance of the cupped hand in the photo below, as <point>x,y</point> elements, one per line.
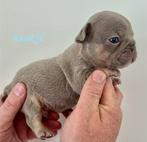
<point>97,116</point>
<point>13,126</point>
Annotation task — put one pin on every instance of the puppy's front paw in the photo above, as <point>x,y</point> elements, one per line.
<point>116,80</point>
<point>114,75</point>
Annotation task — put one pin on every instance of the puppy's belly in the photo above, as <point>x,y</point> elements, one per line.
<point>59,96</point>
<point>61,101</point>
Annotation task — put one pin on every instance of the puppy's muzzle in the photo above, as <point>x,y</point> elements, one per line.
<point>128,55</point>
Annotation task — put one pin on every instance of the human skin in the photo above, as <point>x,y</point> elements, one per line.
<point>97,116</point>
<point>13,127</point>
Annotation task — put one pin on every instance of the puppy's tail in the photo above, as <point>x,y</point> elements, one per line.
<point>7,90</point>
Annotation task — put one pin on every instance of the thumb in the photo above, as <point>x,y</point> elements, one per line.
<point>92,91</point>
<point>12,104</point>
<point>112,96</point>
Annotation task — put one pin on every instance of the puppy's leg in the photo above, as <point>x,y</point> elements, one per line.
<point>32,111</point>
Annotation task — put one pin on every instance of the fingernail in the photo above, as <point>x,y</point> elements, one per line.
<point>19,89</point>
<point>99,76</point>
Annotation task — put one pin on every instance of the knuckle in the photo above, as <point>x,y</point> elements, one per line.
<point>8,104</point>
<point>119,93</point>
<point>121,96</point>
<point>94,90</point>
<point>116,113</point>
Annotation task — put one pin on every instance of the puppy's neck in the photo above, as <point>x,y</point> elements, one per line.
<point>88,57</point>
<point>75,55</point>
<point>74,67</point>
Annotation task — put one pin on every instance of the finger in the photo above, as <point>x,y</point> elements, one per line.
<point>52,124</point>
<point>119,94</point>
<point>66,113</point>
<point>12,104</point>
<point>22,128</point>
<point>92,91</point>
<point>110,95</point>
<point>30,135</point>
<point>53,116</point>
<point>0,99</point>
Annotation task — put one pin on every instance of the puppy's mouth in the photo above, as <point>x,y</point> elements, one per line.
<point>127,56</point>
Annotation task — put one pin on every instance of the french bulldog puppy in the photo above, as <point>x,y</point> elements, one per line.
<point>105,43</point>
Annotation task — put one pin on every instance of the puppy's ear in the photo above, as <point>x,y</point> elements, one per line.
<point>84,33</point>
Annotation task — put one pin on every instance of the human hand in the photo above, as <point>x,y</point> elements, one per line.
<point>97,116</point>
<point>13,126</point>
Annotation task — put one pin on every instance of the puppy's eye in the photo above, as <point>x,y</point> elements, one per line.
<point>114,40</point>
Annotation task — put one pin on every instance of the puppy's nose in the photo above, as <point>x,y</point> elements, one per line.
<point>132,46</point>
<point>132,43</point>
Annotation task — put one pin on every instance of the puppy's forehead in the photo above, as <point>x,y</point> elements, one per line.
<point>108,21</point>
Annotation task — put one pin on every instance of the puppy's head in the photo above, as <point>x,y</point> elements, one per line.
<point>107,40</point>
